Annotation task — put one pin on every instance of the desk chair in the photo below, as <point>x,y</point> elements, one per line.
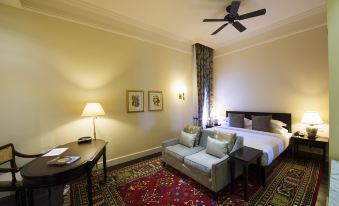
<point>10,178</point>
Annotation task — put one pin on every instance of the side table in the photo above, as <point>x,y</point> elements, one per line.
<point>321,142</point>
<point>245,156</point>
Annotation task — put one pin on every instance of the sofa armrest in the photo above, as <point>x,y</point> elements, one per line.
<point>220,173</point>
<point>239,143</point>
<point>170,142</point>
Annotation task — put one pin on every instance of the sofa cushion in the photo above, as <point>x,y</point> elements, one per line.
<point>229,137</point>
<point>202,161</point>
<point>204,135</point>
<point>192,129</point>
<point>180,151</point>
<point>187,139</point>
<point>216,147</point>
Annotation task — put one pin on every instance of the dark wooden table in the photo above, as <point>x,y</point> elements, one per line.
<point>38,173</point>
<point>319,142</point>
<point>245,156</point>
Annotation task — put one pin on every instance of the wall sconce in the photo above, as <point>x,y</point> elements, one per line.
<point>182,90</point>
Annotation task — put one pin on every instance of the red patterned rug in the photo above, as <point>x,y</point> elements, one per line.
<point>291,182</point>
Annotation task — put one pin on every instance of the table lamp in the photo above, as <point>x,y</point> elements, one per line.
<point>93,110</point>
<point>311,118</point>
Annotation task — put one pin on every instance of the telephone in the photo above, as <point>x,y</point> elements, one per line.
<point>84,140</point>
<point>299,133</point>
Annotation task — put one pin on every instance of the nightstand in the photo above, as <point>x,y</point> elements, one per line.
<point>245,156</point>
<point>210,126</point>
<point>320,142</point>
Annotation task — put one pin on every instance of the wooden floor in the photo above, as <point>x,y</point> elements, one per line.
<point>321,199</point>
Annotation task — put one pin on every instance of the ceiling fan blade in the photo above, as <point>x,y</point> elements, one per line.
<point>252,14</point>
<point>213,20</point>
<point>235,7</point>
<point>239,26</point>
<point>220,28</point>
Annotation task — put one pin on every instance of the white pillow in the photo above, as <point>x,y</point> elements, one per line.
<point>225,122</point>
<point>278,127</point>
<point>187,139</point>
<point>247,123</point>
<point>216,147</point>
<point>277,123</point>
<point>279,130</point>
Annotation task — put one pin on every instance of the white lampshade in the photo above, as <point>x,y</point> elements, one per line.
<point>182,89</point>
<point>311,118</point>
<point>93,110</point>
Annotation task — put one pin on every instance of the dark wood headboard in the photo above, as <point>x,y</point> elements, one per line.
<point>284,117</point>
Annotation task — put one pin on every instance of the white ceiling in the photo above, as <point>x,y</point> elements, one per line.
<point>181,20</point>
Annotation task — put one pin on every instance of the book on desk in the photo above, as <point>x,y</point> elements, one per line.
<point>63,160</point>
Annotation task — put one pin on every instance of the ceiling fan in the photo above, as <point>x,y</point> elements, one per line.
<point>233,17</point>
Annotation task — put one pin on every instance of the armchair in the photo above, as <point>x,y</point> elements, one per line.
<point>10,178</point>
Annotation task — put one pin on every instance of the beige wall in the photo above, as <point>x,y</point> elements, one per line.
<point>49,70</point>
<point>333,34</point>
<point>286,75</point>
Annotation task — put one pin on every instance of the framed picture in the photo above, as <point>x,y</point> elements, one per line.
<point>155,101</point>
<point>135,100</point>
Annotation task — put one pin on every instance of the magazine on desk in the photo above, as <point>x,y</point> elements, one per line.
<point>63,160</point>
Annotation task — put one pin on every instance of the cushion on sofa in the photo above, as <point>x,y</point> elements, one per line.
<point>187,139</point>
<point>204,135</point>
<point>180,151</point>
<point>229,137</point>
<point>216,147</point>
<point>202,161</point>
<point>192,129</point>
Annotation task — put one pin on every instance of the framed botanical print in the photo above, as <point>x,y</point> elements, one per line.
<point>155,101</point>
<point>135,100</point>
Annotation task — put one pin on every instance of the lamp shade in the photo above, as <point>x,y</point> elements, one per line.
<point>182,89</point>
<point>311,118</point>
<point>93,110</point>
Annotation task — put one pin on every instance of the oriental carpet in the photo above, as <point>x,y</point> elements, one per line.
<point>290,182</point>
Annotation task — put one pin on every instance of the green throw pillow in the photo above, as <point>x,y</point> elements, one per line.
<point>229,137</point>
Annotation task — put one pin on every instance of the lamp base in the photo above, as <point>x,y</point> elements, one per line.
<point>311,132</point>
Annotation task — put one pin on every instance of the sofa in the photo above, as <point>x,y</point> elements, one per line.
<point>211,171</point>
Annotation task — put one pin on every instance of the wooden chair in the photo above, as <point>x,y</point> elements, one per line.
<point>10,178</point>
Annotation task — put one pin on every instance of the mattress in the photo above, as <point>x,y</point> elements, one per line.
<point>271,144</point>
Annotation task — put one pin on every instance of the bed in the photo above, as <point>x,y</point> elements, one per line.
<point>272,144</point>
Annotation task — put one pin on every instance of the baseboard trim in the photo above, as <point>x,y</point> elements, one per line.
<point>130,157</point>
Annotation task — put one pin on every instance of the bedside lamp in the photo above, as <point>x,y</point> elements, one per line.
<point>93,110</point>
<point>311,118</point>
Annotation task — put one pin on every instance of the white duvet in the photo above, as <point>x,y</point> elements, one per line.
<point>271,144</point>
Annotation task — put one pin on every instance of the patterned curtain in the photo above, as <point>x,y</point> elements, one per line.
<point>204,67</point>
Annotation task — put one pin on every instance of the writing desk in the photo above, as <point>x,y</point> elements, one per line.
<point>38,173</point>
